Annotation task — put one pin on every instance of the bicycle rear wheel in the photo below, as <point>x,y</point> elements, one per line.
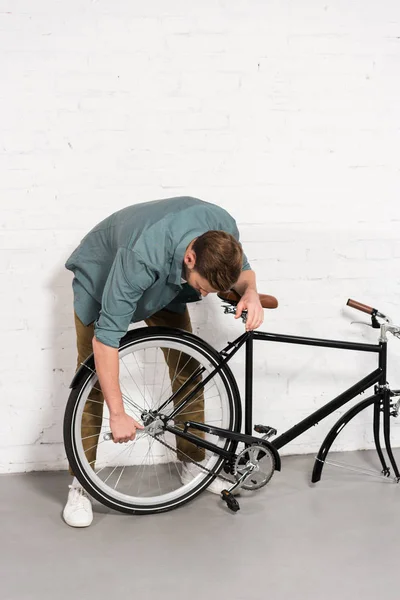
<point>144,476</point>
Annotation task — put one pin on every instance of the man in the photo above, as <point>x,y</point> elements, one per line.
<point>145,262</point>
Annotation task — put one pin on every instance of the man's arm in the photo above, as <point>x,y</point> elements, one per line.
<point>123,427</point>
<point>246,282</point>
<point>247,288</point>
<point>129,277</point>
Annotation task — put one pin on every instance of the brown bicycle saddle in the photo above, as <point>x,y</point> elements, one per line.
<point>233,298</point>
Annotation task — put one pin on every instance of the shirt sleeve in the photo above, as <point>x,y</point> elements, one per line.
<point>245,265</point>
<point>128,278</point>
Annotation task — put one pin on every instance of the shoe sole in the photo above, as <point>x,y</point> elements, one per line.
<point>75,526</point>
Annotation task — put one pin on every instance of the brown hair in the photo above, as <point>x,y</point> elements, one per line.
<point>219,258</point>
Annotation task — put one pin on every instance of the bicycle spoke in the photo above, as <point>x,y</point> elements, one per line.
<point>144,463</point>
<point>154,377</point>
<point>176,375</point>
<point>94,446</point>
<point>127,399</point>
<point>96,416</point>
<point>122,451</point>
<point>117,482</point>
<point>90,436</point>
<point>155,469</point>
<point>165,371</point>
<point>143,395</point>
<point>190,403</point>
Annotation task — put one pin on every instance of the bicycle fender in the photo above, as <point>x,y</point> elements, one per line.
<point>274,452</point>
<point>88,364</point>
<point>82,372</point>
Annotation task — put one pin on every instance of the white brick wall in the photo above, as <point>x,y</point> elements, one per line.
<point>286,113</point>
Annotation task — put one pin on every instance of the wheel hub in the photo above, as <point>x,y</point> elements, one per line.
<point>153,424</point>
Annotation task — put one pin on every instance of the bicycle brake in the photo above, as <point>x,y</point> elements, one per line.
<point>374,322</point>
<point>360,323</point>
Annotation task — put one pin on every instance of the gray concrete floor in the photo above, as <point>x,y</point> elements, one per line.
<point>339,539</point>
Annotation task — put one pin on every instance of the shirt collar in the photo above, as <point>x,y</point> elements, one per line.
<point>175,273</point>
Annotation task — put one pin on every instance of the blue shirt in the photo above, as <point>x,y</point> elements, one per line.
<point>129,266</point>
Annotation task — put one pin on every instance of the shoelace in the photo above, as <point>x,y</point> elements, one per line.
<point>78,494</point>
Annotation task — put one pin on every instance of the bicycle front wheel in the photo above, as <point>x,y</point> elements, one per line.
<point>145,475</point>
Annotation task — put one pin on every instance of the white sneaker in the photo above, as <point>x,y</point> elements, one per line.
<point>191,470</point>
<point>78,510</point>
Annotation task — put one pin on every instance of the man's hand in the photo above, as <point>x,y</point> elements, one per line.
<point>123,427</point>
<point>250,301</point>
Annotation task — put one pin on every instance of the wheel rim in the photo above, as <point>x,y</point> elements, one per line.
<point>145,473</point>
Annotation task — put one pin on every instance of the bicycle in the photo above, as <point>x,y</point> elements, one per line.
<point>144,477</point>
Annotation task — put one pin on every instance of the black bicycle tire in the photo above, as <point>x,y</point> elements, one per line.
<point>131,338</point>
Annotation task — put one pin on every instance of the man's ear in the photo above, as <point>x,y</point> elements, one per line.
<point>190,259</point>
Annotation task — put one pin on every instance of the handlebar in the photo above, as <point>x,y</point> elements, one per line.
<point>232,298</point>
<point>363,307</point>
<point>387,326</point>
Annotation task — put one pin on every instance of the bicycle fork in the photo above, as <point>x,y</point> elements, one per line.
<point>383,404</point>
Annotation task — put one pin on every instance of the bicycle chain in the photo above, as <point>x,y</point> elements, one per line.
<point>192,461</point>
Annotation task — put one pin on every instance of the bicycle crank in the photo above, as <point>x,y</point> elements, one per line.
<point>254,467</point>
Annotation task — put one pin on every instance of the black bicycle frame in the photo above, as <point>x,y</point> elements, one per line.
<point>380,399</point>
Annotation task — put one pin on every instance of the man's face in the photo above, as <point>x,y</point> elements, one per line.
<point>199,283</point>
<point>193,278</point>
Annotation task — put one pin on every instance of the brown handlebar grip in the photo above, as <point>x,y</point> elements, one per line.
<point>363,307</point>
<point>265,300</point>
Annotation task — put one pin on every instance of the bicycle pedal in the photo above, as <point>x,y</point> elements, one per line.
<point>265,430</point>
<point>230,500</point>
